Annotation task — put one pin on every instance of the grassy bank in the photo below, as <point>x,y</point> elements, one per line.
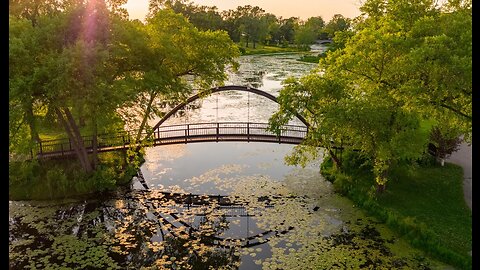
<point>423,203</point>
<point>264,49</point>
<point>62,178</point>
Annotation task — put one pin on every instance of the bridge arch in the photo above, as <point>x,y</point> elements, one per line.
<point>323,41</point>
<point>221,89</point>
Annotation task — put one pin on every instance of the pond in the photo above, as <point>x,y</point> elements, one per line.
<point>224,205</point>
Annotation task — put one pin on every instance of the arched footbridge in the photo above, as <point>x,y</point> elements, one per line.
<point>186,133</point>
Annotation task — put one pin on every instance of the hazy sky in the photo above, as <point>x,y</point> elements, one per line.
<point>285,8</point>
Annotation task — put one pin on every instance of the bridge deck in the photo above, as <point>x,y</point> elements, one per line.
<point>178,134</point>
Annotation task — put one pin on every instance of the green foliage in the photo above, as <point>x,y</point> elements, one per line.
<point>304,36</point>
<point>97,65</point>
<point>264,49</point>
<point>445,142</point>
<point>56,182</point>
<point>310,58</point>
<point>338,23</point>
<point>385,77</point>
<point>54,179</point>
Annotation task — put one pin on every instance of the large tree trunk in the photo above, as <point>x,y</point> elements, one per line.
<point>138,137</point>
<point>71,137</point>
<point>381,187</point>
<point>145,117</point>
<point>81,118</point>
<point>75,137</point>
<point>30,118</point>
<point>336,160</point>
<point>76,132</point>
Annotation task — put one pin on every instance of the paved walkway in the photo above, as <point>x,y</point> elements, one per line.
<point>463,157</point>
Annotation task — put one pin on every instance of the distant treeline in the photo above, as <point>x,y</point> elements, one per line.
<point>251,24</point>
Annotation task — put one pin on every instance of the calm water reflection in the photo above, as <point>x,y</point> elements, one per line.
<point>274,217</point>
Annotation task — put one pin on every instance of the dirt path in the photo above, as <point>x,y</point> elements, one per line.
<point>463,157</point>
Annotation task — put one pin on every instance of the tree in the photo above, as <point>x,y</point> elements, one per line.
<point>203,17</point>
<point>22,126</point>
<point>445,142</point>
<point>338,23</point>
<point>304,36</point>
<point>231,24</point>
<point>273,28</point>
<point>394,72</point>
<point>316,25</point>
<point>287,29</point>
<point>78,76</point>
<point>251,24</point>
<point>85,61</point>
<point>172,57</point>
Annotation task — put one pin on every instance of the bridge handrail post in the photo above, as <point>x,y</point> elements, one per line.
<point>248,132</point>
<point>218,130</point>
<point>280,135</point>
<point>70,144</point>
<point>41,148</point>
<point>61,147</point>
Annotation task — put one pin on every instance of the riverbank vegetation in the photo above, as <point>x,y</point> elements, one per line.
<point>394,88</point>
<point>424,204</point>
<point>64,178</point>
<point>265,49</point>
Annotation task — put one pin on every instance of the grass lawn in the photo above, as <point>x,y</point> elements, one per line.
<point>420,201</point>
<point>434,196</point>
<point>264,49</point>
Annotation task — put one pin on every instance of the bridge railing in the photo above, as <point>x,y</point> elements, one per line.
<point>227,128</point>
<point>174,133</point>
<point>65,145</point>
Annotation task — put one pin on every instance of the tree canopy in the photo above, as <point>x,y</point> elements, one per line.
<point>404,64</point>
<point>76,64</point>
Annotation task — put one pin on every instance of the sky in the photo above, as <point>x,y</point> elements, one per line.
<point>304,9</point>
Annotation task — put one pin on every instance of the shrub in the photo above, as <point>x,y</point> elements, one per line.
<point>57,182</point>
<point>445,142</point>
